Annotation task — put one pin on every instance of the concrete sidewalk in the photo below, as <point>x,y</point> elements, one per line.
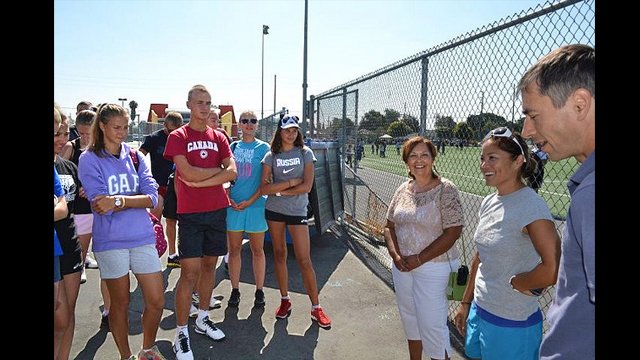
<point>365,320</point>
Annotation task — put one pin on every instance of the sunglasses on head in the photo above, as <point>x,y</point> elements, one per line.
<point>246,121</point>
<point>505,132</point>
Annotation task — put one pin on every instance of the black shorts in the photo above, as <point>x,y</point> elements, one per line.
<point>202,234</point>
<point>71,262</point>
<point>287,219</point>
<point>71,259</point>
<point>170,200</point>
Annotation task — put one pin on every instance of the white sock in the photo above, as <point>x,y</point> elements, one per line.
<point>182,329</point>
<point>201,315</point>
<point>105,312</point>
<point>173,255</point>
<point>313,307</point>
<point>285,297</point>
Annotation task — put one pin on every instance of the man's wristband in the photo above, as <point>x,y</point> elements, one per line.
<point>465,302</point>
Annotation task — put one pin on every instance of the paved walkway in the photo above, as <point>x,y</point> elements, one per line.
<point>361,305</point>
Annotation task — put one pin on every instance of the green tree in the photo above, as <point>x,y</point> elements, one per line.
<point>463,131</point>
<point>485,122</point>
<point>371,120</point>
<point>411,122</point>
<point>390,116</point>
<point>444,126</point>
<point>399,129</point>
<point>336,126</point>
<point>518,125</point>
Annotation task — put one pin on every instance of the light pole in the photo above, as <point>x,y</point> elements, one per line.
<point>304,72</point>
<point>265,31</point>
<point>123,100</point>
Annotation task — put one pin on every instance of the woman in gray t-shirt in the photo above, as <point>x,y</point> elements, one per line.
<point>287,177</point>
<point>518,256</point>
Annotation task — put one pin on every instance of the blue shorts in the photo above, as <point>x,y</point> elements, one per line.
<point>250,220</point>
<point>56,269</point>
<point>492,342</point>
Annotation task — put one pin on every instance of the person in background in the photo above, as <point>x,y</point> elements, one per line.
<point>349,154</point>
<point>199,153</point>
<point>540,157</point>
<point>60,211</point>
<point>287,177</point>
<point>161,168</point>
<point>559,104</point>
<point>83,216</point>
<point>517,257</point>
<point>71,261</point>
<point>73,131</point>
<point>424,220</point>
<point>123,235</point>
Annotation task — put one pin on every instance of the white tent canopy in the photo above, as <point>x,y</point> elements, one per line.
<point>386,136</point>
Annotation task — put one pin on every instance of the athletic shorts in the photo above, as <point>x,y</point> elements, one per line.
<point>287,219</point>
<point>250,220</point>
<point>170,210</point>
<point>71,261</point>
<point>492,342</point>
<point>202,234</point>
<point>114,264</point>
<point>84,223</point>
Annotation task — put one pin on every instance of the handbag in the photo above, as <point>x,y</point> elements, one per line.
<point>158,230</point>
<point>458,279</point>
<point>457,282</point>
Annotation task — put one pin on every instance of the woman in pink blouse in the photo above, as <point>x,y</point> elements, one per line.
<point>424,221</point>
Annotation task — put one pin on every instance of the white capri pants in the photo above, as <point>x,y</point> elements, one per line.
<point>423,305</point>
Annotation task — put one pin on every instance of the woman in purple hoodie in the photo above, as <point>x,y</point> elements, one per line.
<point>123,236</point>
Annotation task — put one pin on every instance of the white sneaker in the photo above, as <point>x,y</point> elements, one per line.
<point>90,263</point>
<point>193,311</point>
<point>182,347</point>
<point>83,277</point>
<point>213,303</point>
<point>207,327</point>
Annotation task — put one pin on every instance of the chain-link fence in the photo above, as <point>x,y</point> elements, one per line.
<point>452,94</point>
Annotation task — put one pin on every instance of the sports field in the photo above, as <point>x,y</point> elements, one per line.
<point>462,166</point>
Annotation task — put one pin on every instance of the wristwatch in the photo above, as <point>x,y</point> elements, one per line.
<point>119,201</point>
<point>278,194</point>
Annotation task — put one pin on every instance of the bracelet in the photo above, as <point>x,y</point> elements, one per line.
<point>418,257</point>
<point>465,302</point>
<point>511,284</point>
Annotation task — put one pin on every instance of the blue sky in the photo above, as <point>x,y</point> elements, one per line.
<point>154,51</point>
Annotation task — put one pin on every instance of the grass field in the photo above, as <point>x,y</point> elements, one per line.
<point>462,166</point>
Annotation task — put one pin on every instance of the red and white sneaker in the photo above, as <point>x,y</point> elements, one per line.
<point>284,310</point>
<point>322,319</point>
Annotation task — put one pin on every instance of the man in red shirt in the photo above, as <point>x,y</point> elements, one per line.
<point>199,153</point>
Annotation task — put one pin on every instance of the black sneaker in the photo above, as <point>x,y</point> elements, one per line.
<point>234,299</point>
<point>259,301</point>
<point>104,322</point>
<point>173,262</point>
